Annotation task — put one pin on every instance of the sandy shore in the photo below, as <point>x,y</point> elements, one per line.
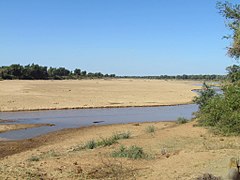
<point>17,95</point>
<point>177,152</point>
<point>12,127</point>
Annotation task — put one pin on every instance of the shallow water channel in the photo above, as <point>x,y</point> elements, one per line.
<point>88,117</point>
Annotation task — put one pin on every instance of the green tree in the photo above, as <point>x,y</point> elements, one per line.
<point>233,73</point>
<point>77,72</point>
<point>222,112</point>
<point>232,13</point>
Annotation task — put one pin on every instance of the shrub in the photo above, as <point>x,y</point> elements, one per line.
<point>182,120</point>
<point>150,129</point>
<point>133,152</point>
<point>222,112</point>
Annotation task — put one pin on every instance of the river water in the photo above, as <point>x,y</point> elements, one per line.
<point>88,117</point>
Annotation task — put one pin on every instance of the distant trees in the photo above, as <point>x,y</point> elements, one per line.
<point>16,71</point>
<point>181,77</point>
<point>35,71</point>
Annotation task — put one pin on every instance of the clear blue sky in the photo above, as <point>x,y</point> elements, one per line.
<point>126,37</point>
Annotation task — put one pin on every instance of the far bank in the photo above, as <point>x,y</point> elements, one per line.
<point>24,95</point>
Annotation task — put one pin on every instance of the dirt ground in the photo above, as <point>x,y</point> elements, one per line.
<point>175,151</point>
<point>18,95</point>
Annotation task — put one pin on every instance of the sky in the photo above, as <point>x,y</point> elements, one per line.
<point>124,37</point>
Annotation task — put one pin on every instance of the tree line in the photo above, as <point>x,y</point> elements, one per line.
<point>36,72</point>
<point>181,77</point>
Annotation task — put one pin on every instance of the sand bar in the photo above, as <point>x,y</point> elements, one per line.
<point>20,95</point>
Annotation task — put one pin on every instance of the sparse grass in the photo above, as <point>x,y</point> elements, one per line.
<point>34,159</point>
<point>133,152</point>
<point>182,120</point>
<point>124,135</point>
<point>103,142</point>
<point>107,142</point>
<point>44,155</point>
<point>49,154</point>
<point>150,129</point>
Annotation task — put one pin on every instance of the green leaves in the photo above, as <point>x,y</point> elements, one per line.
<point>232,13</point>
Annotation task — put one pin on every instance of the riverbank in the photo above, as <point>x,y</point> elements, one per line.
<point>13,127</point>
<point>20,95</point>
<point>175,151</point>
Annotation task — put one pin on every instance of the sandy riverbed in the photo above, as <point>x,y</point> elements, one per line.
<point>17,95</point>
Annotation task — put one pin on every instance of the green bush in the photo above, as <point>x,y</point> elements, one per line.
<point>133,152</point>
<point>222,112</point>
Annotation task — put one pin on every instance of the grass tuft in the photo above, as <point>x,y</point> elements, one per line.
<point>90,144</point>
<point>133,152</point>
<point>124,135</point>
<point>34,159</point>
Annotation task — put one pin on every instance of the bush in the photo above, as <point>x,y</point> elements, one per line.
<point>150,129</point>
<point>222,112</point>
<point>182,120</point>
<point>133,152</point>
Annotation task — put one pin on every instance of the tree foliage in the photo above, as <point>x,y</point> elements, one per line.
<point>232,13</point>
<point>35,71</point>
<point>204,95</point>
<point>222,111</point>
